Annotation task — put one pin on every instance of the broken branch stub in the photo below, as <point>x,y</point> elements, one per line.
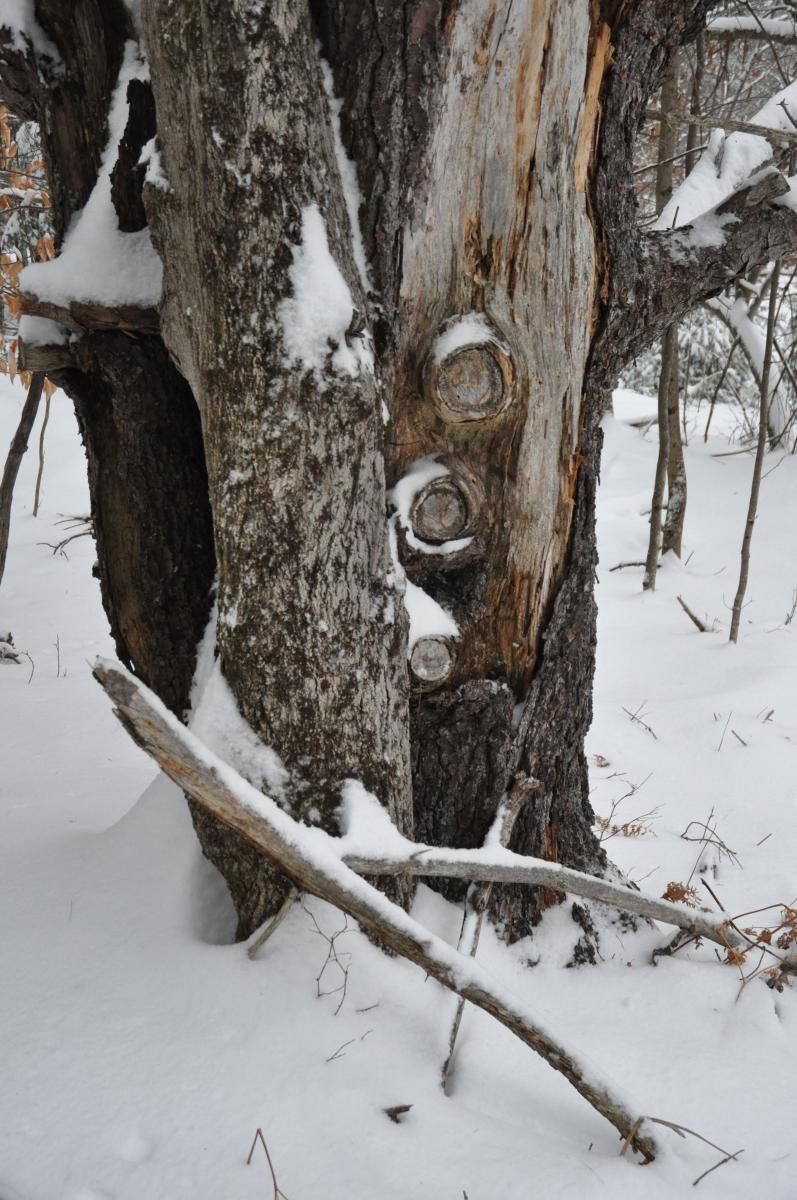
<point>440,511</point>
<point>472,381</point>
<point>431,661</point>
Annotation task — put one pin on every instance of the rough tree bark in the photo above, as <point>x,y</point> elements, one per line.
<point>493,141</point>
<point>672,533</point>
<point>311,628</point>
<point>137,416</point>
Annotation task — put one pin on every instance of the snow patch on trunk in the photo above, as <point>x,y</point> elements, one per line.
<point>155,174</point>
<point>348,177</point>
<point>402,497</point>
<point>316,318</point>
<point>217,721</point>
<point>472,329</point>
<point>427,617</point>
<point>20,17</point>
<point>41,331</point>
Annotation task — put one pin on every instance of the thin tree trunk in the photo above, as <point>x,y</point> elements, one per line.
<point>670,448</point>
<point>672,534</point>
<point>16,451</point>
<point>657,502</point>
<point>761,447</point>
<point>40,472</point>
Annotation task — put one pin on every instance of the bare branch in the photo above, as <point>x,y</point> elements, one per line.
<point>728,123</point>
<point>681,268</point>
<point>317,869</point>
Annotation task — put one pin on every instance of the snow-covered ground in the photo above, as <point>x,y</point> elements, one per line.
<point>140,1051</point>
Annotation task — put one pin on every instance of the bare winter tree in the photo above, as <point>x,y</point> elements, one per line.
<point>482,290</point>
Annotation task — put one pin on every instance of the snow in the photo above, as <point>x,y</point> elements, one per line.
<point>98,263</point>
<point>20,17</point>
<point>427,617</point>
<point>366,828</point>
<point>151,159</point>
<point>41,331</point>
<point>141,1050</point>
<point>216,720</point>
<point>402,497</point>
<point>729,161</point>
<point>471,329</point>
<point>773,26</point>
<point>320,310</point>
<point>348,177</point>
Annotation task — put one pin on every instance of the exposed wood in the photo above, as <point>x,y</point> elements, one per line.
<point>747,29</point>
<point>769,187</point>
<point>38,489</point>
<point>691,615</point>
<point>16,451</point>
<point>674,273</point>
<point>672,533</point>
<point>210,783</point>
<point>82,317</point>
<point>46,359</point>
<point>476,865</point>
<point>432,661</point>
<point>420,861</point>
<point>440,512</point>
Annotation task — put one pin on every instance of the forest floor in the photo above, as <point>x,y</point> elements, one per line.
<point>140,1051</point>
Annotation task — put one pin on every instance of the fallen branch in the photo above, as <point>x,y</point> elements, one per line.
<point>310,860</point>
<point>694,619</point>
<point>478,896</point>
<point>273,925</point>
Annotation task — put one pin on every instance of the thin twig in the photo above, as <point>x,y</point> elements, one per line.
<point>721,1163</point>
<point>477,899</point>
<point>274,923</point>
<point>761,446</point>
<point>694,619</point>
<point>40,472</point>
<point>278,1193</point>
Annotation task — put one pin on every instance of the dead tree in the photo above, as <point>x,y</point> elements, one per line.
<point>496,284</point>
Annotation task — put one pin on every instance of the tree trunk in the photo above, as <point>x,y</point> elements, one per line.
<point>502,286</point>
<point>670,374</point>
<point>311,629</point>
<point>672,534</point>
<point>16,452</point>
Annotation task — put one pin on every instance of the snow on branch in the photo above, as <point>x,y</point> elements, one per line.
<point>681,268</point>
<point>754,29</point>
<point>99,265</point>
<point>309,857</point>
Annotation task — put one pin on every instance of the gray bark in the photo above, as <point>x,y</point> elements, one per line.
<point>494,146</point>
<point>311,632</point>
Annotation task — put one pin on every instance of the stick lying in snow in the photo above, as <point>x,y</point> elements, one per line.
<point>308,857</point>
<point>504,866</point>
<point>478,896</point>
